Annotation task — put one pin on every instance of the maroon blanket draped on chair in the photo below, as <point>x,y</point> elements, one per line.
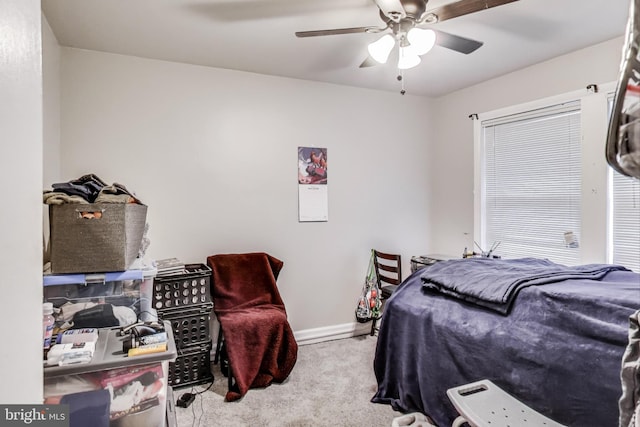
<point>257,334</point>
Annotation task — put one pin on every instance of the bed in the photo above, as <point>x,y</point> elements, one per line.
<point>555,341</point>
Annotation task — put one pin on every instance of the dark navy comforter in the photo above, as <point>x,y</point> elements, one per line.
<point>559,350</point>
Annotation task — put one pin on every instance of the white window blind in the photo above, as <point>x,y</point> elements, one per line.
<point>624,218</point>
<point>531,193</point>
<point>625,221</point>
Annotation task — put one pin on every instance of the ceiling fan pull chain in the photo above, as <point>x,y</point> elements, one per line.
<point>401,80</point>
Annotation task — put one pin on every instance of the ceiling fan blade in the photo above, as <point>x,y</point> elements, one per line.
<point>392,9</point>
<point>334,31</point>
<point>457,43</point>
<point>369,62</point>
<point>464,7</point>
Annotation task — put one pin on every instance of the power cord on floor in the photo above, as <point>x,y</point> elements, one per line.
<point>193,424</point>
<point>186,399</point>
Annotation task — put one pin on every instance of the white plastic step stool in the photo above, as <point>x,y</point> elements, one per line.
<point>484,404</point>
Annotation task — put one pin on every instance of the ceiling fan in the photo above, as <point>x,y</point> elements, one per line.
<point>405,19</point>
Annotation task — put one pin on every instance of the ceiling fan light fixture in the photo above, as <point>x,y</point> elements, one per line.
<point>381,48</point>
<point>408,58</point>
<point>421,40</point>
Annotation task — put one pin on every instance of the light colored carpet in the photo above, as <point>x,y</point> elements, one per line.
<point>331,385</point>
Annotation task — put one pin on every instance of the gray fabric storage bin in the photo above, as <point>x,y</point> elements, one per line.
<point>108,241</point>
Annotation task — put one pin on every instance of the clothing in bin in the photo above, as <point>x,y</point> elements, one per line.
<point>94,227</point>
<point>98,300</point>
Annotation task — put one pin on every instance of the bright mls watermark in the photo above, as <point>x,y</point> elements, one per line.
<point>34,415</point>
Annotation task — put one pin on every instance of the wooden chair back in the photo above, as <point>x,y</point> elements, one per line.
<point>388,268</point>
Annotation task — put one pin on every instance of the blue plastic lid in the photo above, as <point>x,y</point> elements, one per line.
<point>72,279</point>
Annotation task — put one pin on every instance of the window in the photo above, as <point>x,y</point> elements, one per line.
<point>624,218</point>
<point>624,221</point>
<point>530,188</point>
<point>543,187</point>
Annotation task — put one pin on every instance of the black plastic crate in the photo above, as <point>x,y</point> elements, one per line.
<point>190,326</point>
<point>192,366</point>
<point>175,291</point>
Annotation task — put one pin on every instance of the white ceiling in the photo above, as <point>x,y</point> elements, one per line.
<point>258,36</point>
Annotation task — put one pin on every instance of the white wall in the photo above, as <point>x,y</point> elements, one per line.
<point>51,115</point>
<point>51,104</point>
<point>451,170</point>
<point>21,213</point>
<point>213,153</point>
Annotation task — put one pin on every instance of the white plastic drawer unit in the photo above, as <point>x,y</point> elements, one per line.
<point>113,389</point>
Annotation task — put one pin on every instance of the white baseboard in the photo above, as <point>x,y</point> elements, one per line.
<point>334,332</point>
<point>312,336</point>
